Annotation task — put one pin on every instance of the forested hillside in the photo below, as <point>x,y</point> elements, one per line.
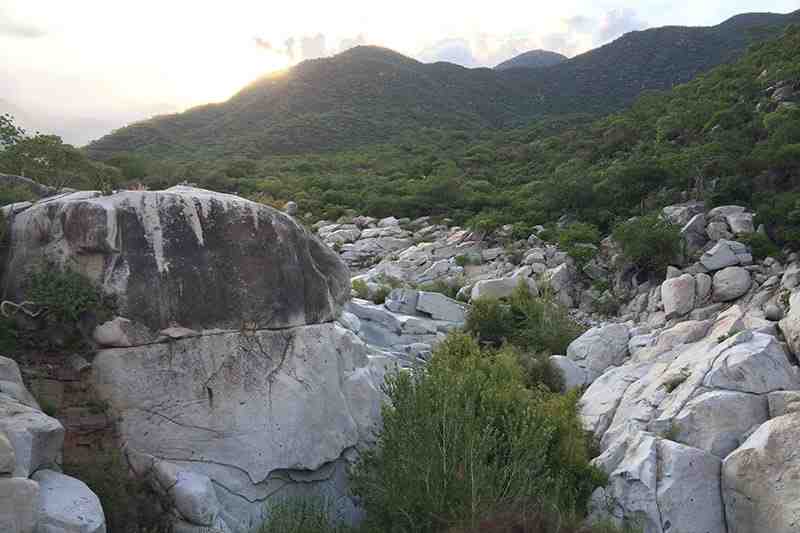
<point>371,95</point>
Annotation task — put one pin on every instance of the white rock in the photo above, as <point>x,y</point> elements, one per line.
<point>37,438</point>
<point>440,307</point>
<point>724,211</point>
<point>402,301</point>
<point>730,283</point>
<point>790,325</point>
<point>718,421</point>
<point>678,295</point>
<point>19,505</point>
<point>121,333</point>
<point>67,505</point>
<point>600,348</point>
<point>719,256</point>
<point>741,223</point>
<point>500,287</point>
<point>761,479</point>
<point>574,376</point>
<point>388,221</point>
<point>783,402</point>
<point>8,459</point>
<point>193,493</point>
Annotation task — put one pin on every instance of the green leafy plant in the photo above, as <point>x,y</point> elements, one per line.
<point>579,240</point>
<point>761,246</point>
<point>381,293</point>
<point>67,295</point>
<point>312,515</point>
<point>464,439</point>
<point>649,241</point>
<point>361,289</point>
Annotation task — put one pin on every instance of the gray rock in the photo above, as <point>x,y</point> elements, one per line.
<point>725,211</point>
<point>37,438</point>
<point>387,222</point>
<point>290,208</point>
<point>500,287</point>
<point>193,493</point>
<point>402,301</point>
<point>440,307</point>
<point>761,479</point>
<point>600,348</point>
<point>19,505</point>
<point>703,288</point>
<point>121,333</point>
<point>678,295</point>
<point>783,402</point>
<point>574,376</point>
<point>790,325</point>
<point>719,256</point>
<point>717,231</point>
<point>730,283</point>
<point>718,421</point>
<point>741,223</point>
<point>148,248</point>
<point>8,459</point>
<point>67,505</point>
<point>773,312</point>
<point>680,214</point>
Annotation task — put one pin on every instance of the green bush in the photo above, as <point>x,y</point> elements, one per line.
<point>442,287</point>
<point>579,240</point>
<point>464,439</point>
<point>761,246</point>
<point>381,294</point>
<point>361,289</point>
<point>649,242</point>
<point>10,194</point>
<point>301,516</point>
<point>67,295</point>
<point>538,370</point>
<point>535,324</point>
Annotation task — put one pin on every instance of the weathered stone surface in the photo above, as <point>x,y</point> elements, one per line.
<point>8,459</point>
<point>600,348</point>
<point>661,485</point>
<point>67,505</point>
<point>740,223</point>
<point>194,495</point>
<point>719,257</point>
<point>724,211</point>
<point>501,287</point>
<point>19,505</point>
<point>730,283</point>
<point>37,438</point>
<point>574,376</point>
<point>790,325</point>
<point>783,402</point>
<point>402,301</point>
<point>678,295</point>
<point>241,408</point>
<point>718,421</point>
<point>702,289</point>
<point>121,333</point>
<point>195,257</point>
<point>761,479</point>
<point>440,307</point>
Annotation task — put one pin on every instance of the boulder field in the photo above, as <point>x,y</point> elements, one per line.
<point>240,369</point>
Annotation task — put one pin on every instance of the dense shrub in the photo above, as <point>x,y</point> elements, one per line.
<point>649,241</point>
<point>533,323</point>
<point>465,439</point>
<point>67,295</point>
<point>381,293</point>
<point>442,287</point>
<point>761,246</point>
<point>301,516</point>
<point>579,240</point>
<point>361,289</point>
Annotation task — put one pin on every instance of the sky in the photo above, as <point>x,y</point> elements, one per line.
<point>80,68</point>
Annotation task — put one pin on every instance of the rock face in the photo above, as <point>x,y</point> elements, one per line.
<point>761,480</point>
<point>33,498</point>
<point>188,256</point>
<point>600,348</point>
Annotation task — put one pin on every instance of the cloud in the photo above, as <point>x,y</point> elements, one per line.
<point>18,30</point>
<point>453,50</point>
<point>312,46</point>
<point>351,42</point>
<point>616,22</point>
<point>297,48</point>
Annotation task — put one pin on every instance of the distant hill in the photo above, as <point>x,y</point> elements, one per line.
<point>369,95</point>
<point>533,59</point>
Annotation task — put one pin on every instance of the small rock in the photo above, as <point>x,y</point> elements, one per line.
<point>730,283</point>
<point>290,208</point>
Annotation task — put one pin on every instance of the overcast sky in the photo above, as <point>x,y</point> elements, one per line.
<point>96,64</point>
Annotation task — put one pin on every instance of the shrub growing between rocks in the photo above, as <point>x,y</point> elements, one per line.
<point>579,240</point>
<point>649,241</point>
<point>464,440</point>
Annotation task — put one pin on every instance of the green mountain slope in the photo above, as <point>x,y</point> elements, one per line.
<point>370,95</point>
<point>533,59</point>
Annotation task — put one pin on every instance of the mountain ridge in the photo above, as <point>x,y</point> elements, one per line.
<point>371,94</point>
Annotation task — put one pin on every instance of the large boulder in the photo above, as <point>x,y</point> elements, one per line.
<point>251,411</point>
<point>678,295</point>
<point>600,348</point>
<point>761,479</point>
<point>790,325</point>
<point>184,255</point>
<point>19,505</point>
<point>67,505</point>
<point>730,283</point>
<point>501,287</point>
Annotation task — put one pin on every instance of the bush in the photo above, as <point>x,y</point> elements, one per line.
<point>761,246</point>
<point>535,324</point>
<point>68,296</point>
<point>361,289</point>
<point>381,294</point>
<point>129,504</point>
<point>463,439</point>
<point>649,242</point>
<point>442,287</point>
<point>301,516</point>
<point>579,240</point>
<point>538,370</point>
